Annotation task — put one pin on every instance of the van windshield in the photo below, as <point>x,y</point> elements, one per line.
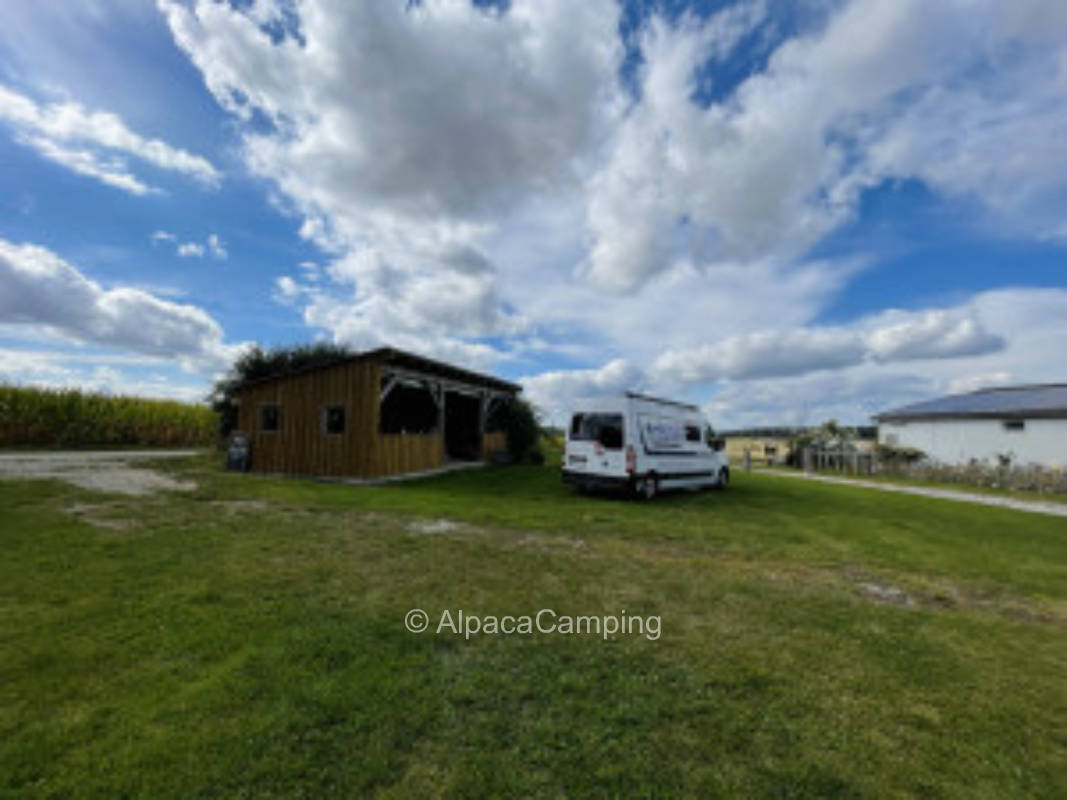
<point>603,428</point>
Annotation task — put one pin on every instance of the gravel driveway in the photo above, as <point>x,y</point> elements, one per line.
<point>97,470</point>
<point>1033,506</point>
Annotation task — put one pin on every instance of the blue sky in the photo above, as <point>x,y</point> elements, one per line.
<point>784,211</point>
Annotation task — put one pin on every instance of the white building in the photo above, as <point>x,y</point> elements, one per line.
<point>1027,423</point>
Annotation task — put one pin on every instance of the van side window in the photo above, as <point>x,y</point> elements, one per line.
<point>576,425</point>
<point>692,433</point>
<point>606,429</point>
<point>709,436</point>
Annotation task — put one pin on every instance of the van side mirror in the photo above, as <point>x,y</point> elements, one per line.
<point>718,443</point>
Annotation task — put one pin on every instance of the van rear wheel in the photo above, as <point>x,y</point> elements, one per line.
<point>647,487</point>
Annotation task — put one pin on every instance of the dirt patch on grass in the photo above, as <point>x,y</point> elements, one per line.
<point>110,472</point>
<point>884,593</point>
<point>442,527</point>
<point>102,515</point>
<point>232,507</point>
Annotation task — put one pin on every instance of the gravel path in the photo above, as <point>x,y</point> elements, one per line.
<point>96,470</point>
<point>1033,506</point>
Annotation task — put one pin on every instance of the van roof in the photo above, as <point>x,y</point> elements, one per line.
<point>660,400</point>
<point>619,401</point>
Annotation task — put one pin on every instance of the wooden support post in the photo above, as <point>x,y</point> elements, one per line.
<point>439,396</point>
<point>388,388</point>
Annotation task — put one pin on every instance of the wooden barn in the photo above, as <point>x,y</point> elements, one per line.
<point>371,415</point>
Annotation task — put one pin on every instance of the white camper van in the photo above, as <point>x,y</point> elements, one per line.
<point>642,444</point>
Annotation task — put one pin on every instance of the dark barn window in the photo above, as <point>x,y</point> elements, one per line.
<point>269,418</point>
<point>1014,425</point>
<point>408,409</point>
<point>333,419</point>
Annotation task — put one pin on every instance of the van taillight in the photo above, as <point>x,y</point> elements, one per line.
<point>631,459</point>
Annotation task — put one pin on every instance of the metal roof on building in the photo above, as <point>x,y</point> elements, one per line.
<point>391,356</point>
<point>1008,402</point>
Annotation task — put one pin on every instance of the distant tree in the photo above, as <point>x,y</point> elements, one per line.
<point>256,364</point>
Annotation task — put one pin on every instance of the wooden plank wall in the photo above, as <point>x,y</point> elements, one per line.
<point>301,448</point>
<point>410,452</point>
<point>493,441</point>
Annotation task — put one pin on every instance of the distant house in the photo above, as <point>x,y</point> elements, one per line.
<point>773,445</point>
<point>372,414</point>
<point>1027,423</point>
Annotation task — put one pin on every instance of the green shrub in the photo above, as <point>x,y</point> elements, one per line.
<point>901,456</point>
<point>522,428</point>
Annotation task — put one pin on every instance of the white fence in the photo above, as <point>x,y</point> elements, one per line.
<point>839,460</point>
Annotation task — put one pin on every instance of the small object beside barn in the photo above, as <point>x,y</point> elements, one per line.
<point>238,453</point>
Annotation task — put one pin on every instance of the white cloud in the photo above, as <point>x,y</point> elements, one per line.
<point>484,109</point>
<point>1030,322</point>
<point>190,250</point>
<point>216,246</point>
<point>213,244</point>
<point>38,289</point>
<point>761,355</point>
<point>288,289</point>
<point>108,373</point>
<point>807,375</point>
<point>506,197</point>
<point>851,397</point>
<point>95,143</point>
<point>942,92</point>
<point>110,171</point>
<point>555,392</point>
<point>886,337</point>
<point>903,336</point>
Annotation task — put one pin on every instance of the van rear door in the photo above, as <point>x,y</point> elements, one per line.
<point>595,444</point>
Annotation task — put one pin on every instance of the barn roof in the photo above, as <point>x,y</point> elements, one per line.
<point>1040,400</point>
<point>403,359</point>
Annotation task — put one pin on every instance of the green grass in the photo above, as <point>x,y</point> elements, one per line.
<point>247,639</point>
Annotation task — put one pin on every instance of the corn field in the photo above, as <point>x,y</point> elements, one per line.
<point>72,418</point>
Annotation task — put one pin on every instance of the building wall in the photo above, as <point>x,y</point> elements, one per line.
<point>493,441</point>
<point>768,449</point>
<point>410,452</point>
<point>774,449</point>
<point>301,448</point>
<point>1042,441</point>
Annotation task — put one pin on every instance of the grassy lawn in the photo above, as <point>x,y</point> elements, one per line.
<point>247,639</point>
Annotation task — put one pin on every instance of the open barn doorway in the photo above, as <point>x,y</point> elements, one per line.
<point>408,407</point>
<point>463,427</point>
